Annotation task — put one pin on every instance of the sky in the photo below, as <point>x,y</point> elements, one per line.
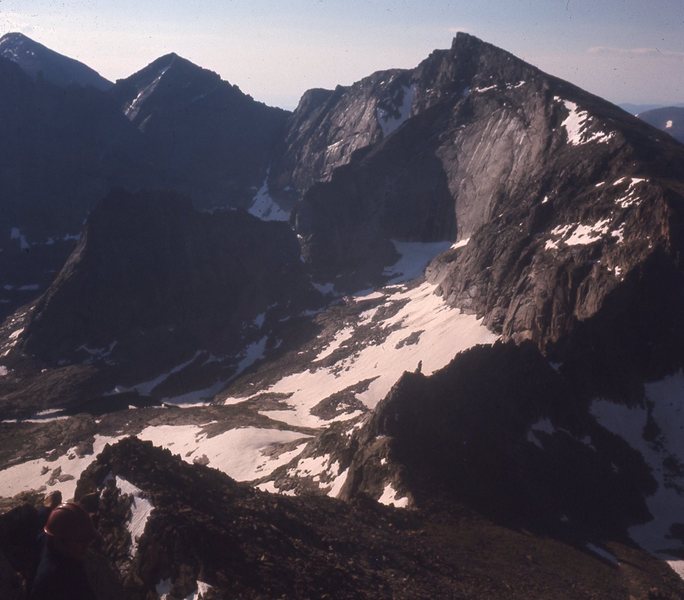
<point>622,50</point>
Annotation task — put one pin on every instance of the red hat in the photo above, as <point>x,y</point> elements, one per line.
<point>70,522</point>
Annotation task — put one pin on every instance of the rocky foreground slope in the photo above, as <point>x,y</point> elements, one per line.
<point>157,513</point>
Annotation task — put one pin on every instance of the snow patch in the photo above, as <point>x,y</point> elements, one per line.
<point>132,110</point>
<point>630,197</point>
<point>480,90</point>
<point>414,258</point>
<point>577,125</point>
<point>438,332</point>
<point>254,352</point>
<point>340,337</point>
<point>576,234</point>
<point>388,123</point>
<point>147,387</point>
<point>141,508</point>
<point>240,453</point>
<point>460,244</point>
<point>389,498</point>
<point>602,553</point>
<point>41,475</point>
<point>264,207</point>
<point>668,125</point>
<point>665,398</point>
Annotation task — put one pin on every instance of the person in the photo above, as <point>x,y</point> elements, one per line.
<point>50,502</point>
<point>69,532</point>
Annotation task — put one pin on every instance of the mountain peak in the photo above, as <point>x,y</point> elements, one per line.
<point>37,60</point>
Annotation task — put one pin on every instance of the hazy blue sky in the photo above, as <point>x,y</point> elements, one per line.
<point>624,50</point>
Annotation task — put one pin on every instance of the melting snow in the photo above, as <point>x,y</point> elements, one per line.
<point>340,337</point>
<point>630,196</point>
<point>389,498</point>
<point>38,474</point>
<point>133,108</point>
<point>254,352</point>
<point>577,124</point>
<point>665,505</point>
<point>264,207</point>
<point>440,333</point>
<point>577,235</point>
<point>147,387</point>
<point>321,470</point>
<point>460,244</point>
<point>238,452</point>
<point>141,508</point>
<point>387,122</point>
<point>485,89</point>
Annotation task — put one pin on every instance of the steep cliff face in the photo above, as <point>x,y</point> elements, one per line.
<point>553,196</point>
<point>329,126</point>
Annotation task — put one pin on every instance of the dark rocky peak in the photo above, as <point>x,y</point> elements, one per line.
<point>153,283</point>
<point>38,61</point>
<point>204,136</point>
<point>168,82</point>
<point>328,127</point>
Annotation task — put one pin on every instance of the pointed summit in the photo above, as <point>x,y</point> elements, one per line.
<point>168,80</point>
<point>39,61</point>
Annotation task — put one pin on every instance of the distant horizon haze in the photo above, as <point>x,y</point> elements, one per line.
<point>626,51</point>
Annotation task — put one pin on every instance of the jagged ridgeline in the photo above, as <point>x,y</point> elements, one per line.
<point>459,293</point>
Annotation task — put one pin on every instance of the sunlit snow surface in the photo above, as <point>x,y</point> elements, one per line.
<point>389,498</point>
<point>577,125</point>
<point>38,474</point>
<point>664,455</point>
<point>420,331</point>
<point>238,452</point>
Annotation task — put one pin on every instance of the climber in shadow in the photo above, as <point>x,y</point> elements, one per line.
<point>69,531</point>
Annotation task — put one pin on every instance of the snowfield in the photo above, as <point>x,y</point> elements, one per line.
<point>421,332</point>
<point>664,398</point>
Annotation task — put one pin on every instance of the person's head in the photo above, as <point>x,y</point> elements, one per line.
<point>70,530</point>
<point>52,499</point>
